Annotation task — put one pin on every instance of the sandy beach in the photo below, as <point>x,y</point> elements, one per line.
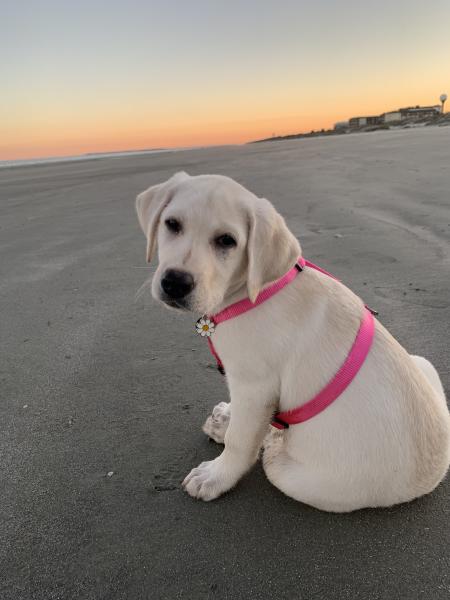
<point>103,396</point>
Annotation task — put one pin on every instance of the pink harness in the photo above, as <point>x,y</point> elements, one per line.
<point>345,374</point>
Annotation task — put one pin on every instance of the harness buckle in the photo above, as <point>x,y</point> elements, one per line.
<point>279,423</point>
<point>372,310</point>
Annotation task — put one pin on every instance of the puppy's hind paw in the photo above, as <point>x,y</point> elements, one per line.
<point>217,423</point>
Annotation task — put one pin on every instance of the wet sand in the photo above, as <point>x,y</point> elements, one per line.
<point>94,382</point>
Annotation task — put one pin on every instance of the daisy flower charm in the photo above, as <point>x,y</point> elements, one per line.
<point>205,326</point>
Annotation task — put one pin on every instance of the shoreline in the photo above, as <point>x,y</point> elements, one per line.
<point>25,162</point>
<point>49,160</point>
<point>56,160</point>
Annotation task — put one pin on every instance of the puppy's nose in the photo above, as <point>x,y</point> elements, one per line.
<point>177,284</point>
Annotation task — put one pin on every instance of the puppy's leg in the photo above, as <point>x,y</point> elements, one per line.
<point>250,414</point>
<point>305,483</point>
<point>216,424</point>
<point>273,442</point>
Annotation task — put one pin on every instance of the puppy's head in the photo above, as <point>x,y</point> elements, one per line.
<point>214,238</point>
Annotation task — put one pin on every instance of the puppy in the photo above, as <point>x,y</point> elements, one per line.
<point>384,440</point>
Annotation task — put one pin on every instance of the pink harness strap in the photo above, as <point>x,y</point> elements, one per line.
<point>220,366</point>
<point>241,307</point>
<point>238,308</point>
<point>343,377</point>
<point>340,381</point>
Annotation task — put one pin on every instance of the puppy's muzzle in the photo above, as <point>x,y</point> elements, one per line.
<point>177,284</point>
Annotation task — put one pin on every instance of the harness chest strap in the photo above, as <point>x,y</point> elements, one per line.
<point>327,395</point>
<point>342,378</point>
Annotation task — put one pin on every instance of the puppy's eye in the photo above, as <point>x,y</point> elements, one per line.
<point>225,241</point>
<point>173,225</point>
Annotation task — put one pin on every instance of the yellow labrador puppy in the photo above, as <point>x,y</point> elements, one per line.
<point>384,440</point>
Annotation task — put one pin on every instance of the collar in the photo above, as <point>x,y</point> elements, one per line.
<point>242,306</point>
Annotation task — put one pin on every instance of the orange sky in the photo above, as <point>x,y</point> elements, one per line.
<point>113,83</point>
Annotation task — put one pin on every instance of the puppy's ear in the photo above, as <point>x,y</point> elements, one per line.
<point>151,203</point>
<point>272,248</point>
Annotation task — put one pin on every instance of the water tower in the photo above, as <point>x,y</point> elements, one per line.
<point>443,98</point>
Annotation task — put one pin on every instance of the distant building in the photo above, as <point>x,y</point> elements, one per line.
<point>356,122</point>
<point>389,117</point>
<point>417,113</point>
<point>411,113</point>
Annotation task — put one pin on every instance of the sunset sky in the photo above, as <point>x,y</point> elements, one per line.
<point>93,76</point>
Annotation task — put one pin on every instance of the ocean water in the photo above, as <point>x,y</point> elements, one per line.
<point>93,156</point>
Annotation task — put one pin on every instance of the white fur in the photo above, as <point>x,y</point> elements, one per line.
<point>385,440</point>
<point>217,423</point>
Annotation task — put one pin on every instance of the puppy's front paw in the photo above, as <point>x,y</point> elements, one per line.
<point>217,423</point>
<point>207,481</point>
